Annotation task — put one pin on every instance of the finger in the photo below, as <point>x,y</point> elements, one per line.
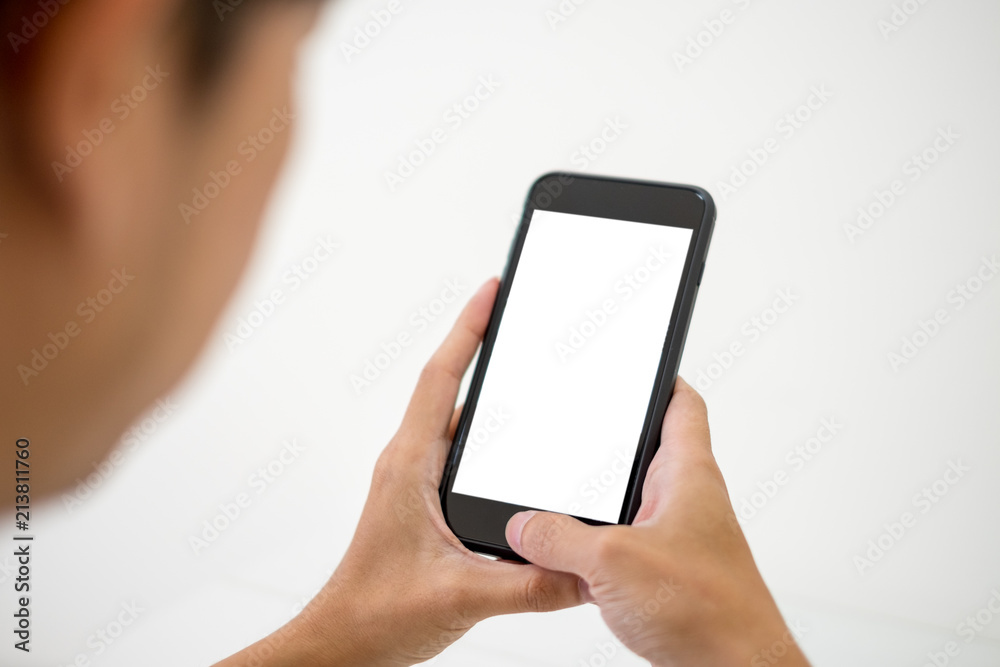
<point>687,418</point>
<point>433,400</point>
<point>685,447</point>
<point>553,541</point>
<point>514,588</point>
<point>685,433</point>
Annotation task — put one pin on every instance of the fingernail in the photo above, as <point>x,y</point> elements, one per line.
<point>485,286</point>
<point>515,526</point>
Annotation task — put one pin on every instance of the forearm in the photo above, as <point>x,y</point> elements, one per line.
<point>758,637</point>
<point>340,627</point>
<point>756,634</point>
<point>312,639</point>
<point>776,649</point>
<point>289,646</point>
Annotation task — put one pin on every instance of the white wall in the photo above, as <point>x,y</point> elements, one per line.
<point>782,231</point>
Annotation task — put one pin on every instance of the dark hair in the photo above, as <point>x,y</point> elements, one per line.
<point>209,26</point>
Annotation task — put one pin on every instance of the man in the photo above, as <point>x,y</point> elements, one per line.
<point>113,113</point>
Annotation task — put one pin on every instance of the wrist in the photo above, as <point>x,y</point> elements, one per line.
<point>763,638</point>
<point>320,636</point>
<point>334,629</point>
<point>344,626</point>
<point>747,629</point>
<point>754,632</point>
<point>292,644</point>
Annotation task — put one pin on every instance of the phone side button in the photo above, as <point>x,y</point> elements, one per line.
<point>700,274</point>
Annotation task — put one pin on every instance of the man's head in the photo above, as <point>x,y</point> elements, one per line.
<point>138,143</point>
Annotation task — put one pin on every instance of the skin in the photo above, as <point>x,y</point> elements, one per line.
<point>120,208</point>
<point>685,551</point>
<point>406,588</point>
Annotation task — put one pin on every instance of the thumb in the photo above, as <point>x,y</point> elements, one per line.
<point>514,588</point>
<point>553,541</point>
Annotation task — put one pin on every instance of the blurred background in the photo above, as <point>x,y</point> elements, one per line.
<point>852,151</point>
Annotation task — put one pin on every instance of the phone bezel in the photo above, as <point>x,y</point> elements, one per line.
<point>480,523</point>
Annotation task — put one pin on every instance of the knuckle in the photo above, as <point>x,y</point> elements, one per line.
<point>698,402</point>
<point>385,474</point>
<point>541,593</point>
<point>705,465</point>
<point>434,372</point>
<point>429,372</point>
<point>611,545</point>
<point>692,394</point>
<point>383,468</point>
<point>440,369</point>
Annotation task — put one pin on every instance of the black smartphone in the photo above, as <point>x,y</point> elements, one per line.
<point>565,405</point>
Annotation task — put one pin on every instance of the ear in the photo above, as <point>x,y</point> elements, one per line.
<point>90,65</point>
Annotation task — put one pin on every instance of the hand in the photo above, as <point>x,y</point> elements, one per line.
<point>407,588</point>
<point>679,586</point>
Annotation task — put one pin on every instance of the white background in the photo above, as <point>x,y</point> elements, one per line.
<point>782,230</point>
<point>552,422</point>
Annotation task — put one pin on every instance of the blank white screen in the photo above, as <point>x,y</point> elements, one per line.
<point>569,381</point>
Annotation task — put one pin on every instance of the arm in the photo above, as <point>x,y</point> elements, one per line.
<point>407,588</point>
<point>679,586</point>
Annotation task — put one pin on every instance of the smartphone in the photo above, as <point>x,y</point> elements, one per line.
<point>579,360</point>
